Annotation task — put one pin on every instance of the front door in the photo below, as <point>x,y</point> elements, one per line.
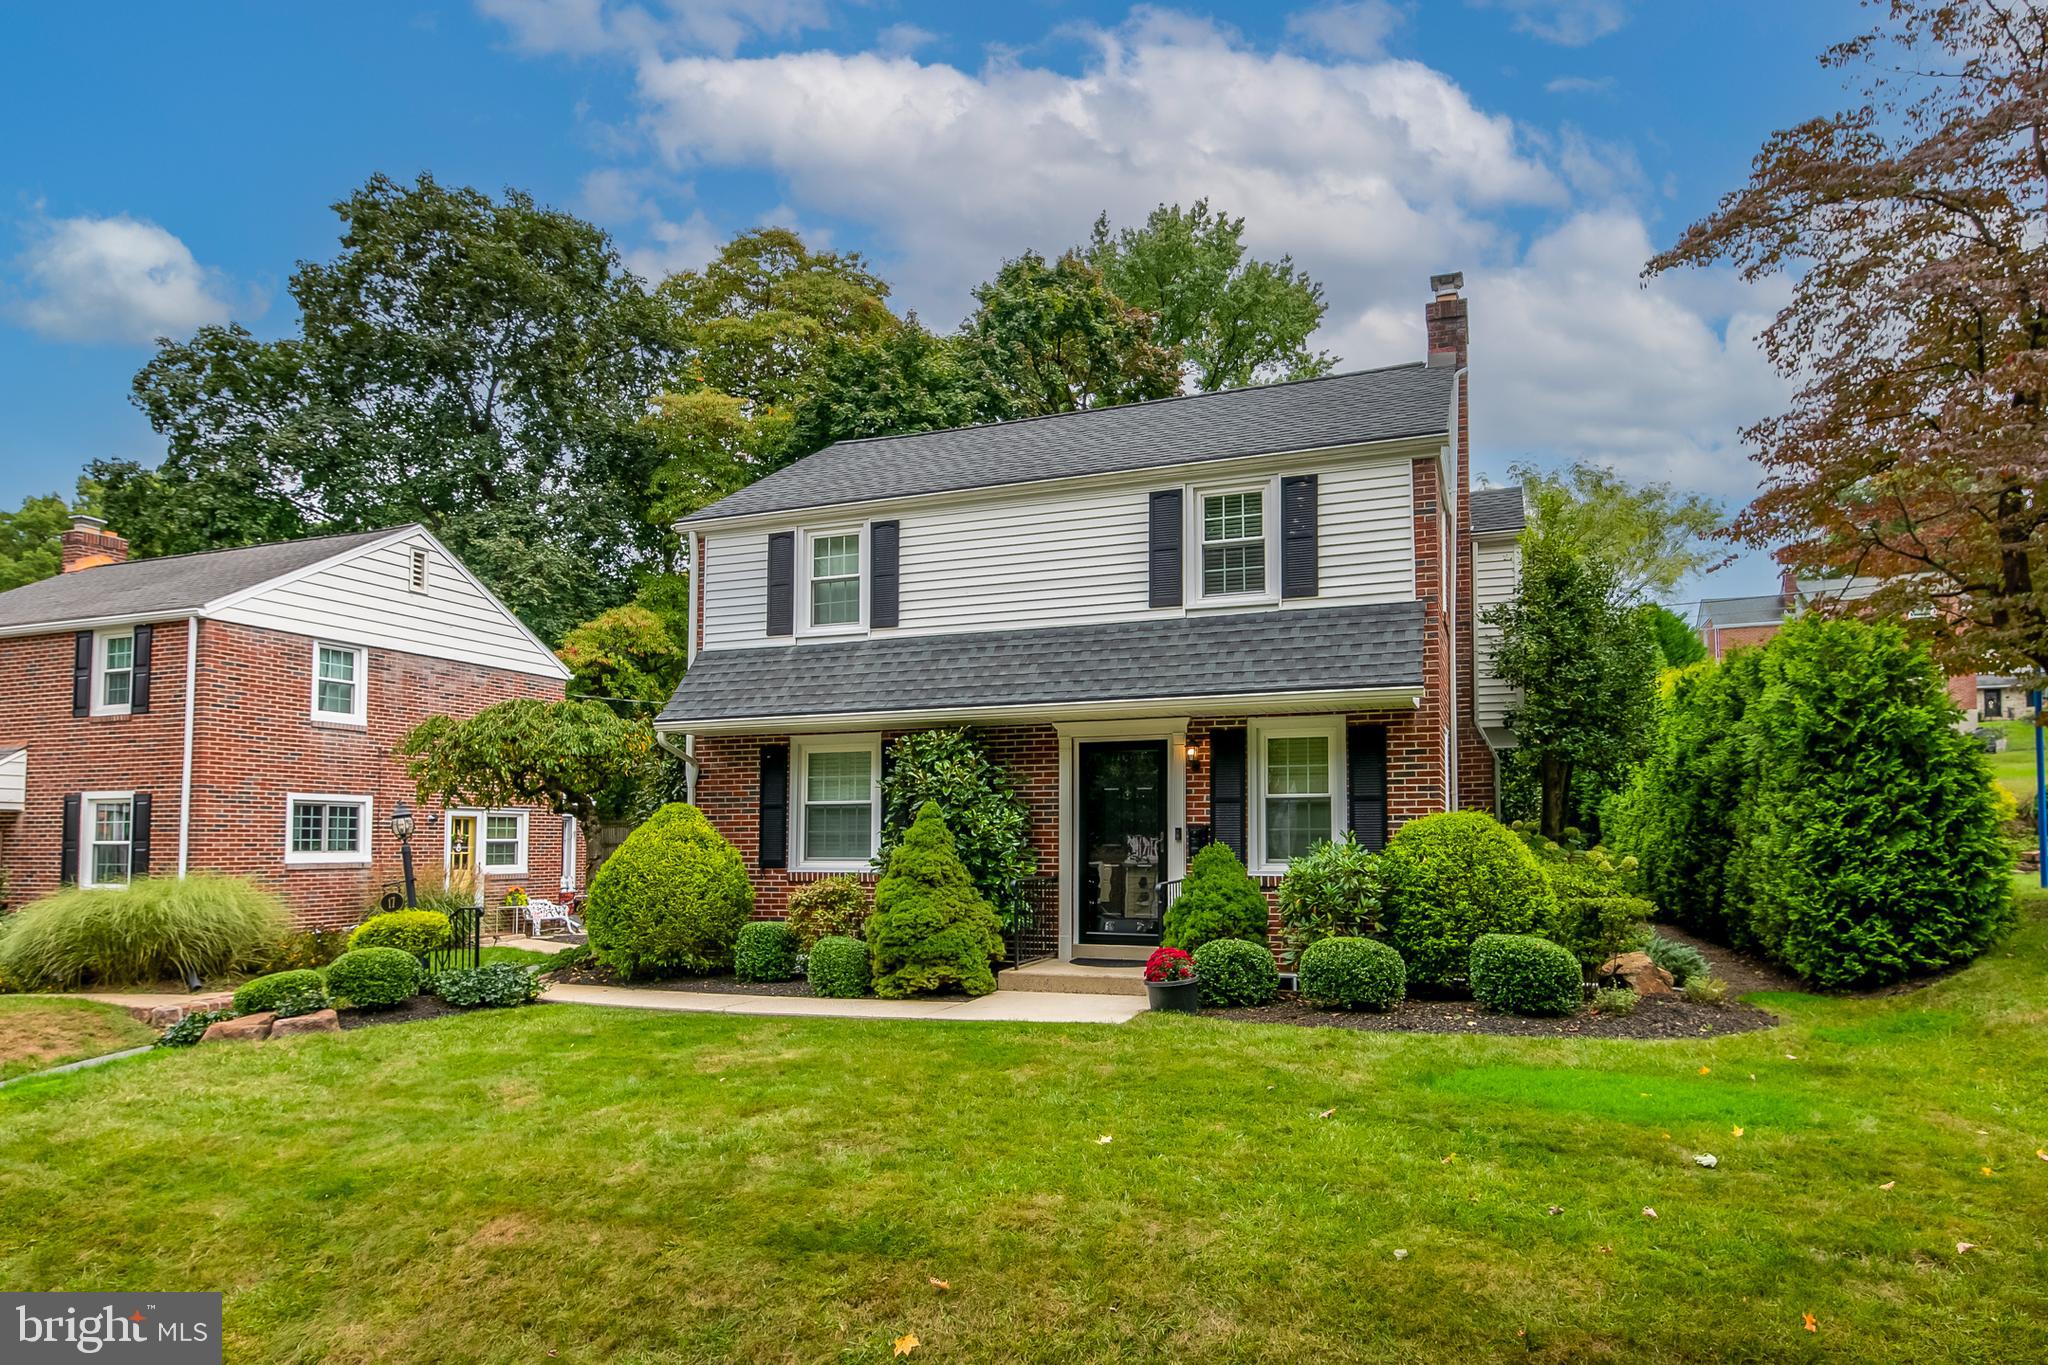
<point>1122,844</point>
<point>461,847</point>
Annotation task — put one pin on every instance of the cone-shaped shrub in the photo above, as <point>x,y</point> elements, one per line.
<point>1219,899</point>
<point>931,929</point>
<point>670,900</point>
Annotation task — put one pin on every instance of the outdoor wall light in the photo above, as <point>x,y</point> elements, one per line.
<point>1194,757</point>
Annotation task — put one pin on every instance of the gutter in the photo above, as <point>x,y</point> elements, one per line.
<point>191,709</point>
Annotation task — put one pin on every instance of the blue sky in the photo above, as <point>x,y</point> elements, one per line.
<point>167,165</point>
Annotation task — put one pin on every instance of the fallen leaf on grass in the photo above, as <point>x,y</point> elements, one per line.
<point>1449,1159</point>
<point>2041,1153</point>
<point>1606,1251</point>
<point>1705,1069</point>
<point>1738,1130</point>
<point>1811,1325</point>
<point>906,1343</point>
<point>1554,1210</point>
<point>1326,1113</point>
<point>1649,1213</point>
<point>1962,1247</point>
<point>938,1283</point>
<point>1985,1169</point>
<point>1104,1140</point>
<point>1888,1184</point>
<point>1400,1253</point>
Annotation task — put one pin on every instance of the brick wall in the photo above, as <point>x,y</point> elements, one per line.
<point>254,743</point>
<point>1720,640</point>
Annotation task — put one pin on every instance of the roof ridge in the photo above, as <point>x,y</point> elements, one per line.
<point>259,545</point>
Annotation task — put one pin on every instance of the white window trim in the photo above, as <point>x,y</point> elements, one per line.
<point>515,868</point>
<point>419,570</point>
<point>86,802</point>
<point>476,847</point>
<point>360,715</point>
<point>807,561</point>
<point>367,825</point>
<point>800,750</point>
<point>100,638</point>
<point>1285,727</point>
<point>1269,507</point>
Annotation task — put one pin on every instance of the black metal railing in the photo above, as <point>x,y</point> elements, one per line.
<point>1039,936</point>
<point>465,945</point>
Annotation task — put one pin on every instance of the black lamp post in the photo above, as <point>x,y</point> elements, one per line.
<point>401,825</point>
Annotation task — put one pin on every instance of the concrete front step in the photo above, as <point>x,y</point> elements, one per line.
<point>1070,978</point>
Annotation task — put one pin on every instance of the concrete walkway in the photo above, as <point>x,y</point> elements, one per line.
<point>1040,1007</point>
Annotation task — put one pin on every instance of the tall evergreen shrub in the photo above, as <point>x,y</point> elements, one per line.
<point>931,929</point>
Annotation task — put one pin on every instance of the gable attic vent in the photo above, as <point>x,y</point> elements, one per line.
<point>419,570</point>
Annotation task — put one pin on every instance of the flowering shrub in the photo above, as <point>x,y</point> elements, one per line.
<point>1169,964</point>
<point>515,895</point>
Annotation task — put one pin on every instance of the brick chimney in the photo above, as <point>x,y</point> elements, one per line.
<point>89,544</point>
<point>1449,333</point>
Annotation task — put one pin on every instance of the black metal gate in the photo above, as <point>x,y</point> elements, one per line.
<point>466,943</point>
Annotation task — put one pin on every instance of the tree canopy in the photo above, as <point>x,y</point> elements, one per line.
<point>31,539</point>
<point>1235,321</point>
<point>1649,536</point>
<point>1913,229</point>
<point>1053,337</point>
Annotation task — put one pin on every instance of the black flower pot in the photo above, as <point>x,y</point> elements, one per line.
<point>1176,997</point>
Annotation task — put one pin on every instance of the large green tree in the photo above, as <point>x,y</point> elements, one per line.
<point>1649,536</point>
<point>480,365</point>
<point>31,539</point>
<point>1236,320</point>
<point>1053,337</point>
<point>907,380</point>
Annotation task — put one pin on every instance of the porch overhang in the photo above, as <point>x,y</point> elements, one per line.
<point>1136,708</point>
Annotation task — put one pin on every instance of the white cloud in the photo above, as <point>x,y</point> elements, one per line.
<point>114,279</point>
<point>1358,29</point>
<point>900,40</point>
<point>587,27</point>
<point>1569,23</point>
<point>1580,85</point>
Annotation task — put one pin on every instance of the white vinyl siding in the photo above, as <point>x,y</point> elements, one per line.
<point>369,599</point>
<point>1497,566</point>
<point>736,590</point>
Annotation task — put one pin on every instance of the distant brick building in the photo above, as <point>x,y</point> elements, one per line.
<point>238,711</point>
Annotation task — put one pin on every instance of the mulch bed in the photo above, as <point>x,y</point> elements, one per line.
<point>413,1011</point>
<point>591,974</point>
<point>1743,973</point>
<point>1653,1019</point>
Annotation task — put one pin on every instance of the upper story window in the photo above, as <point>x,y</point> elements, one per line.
<point>1233,532</point>
<point>1298,771</point>
<point>832,567</point>
<point>838,811</point>
<point>113,684</point>
<point>338,683</point>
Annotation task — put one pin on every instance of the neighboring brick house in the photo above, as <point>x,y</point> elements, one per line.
<point>238,711</point>
<point>1247,616</point>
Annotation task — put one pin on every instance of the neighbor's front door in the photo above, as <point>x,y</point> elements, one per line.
<point>461,844</point>
<point>1122,844</point>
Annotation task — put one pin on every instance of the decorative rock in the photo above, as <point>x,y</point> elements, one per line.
<point>319,1021</point>
<point>249,1027</point>
<point>1638,973</point>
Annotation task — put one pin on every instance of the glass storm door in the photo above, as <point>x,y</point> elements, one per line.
<point>461,843</point>
<point>1122,847</point>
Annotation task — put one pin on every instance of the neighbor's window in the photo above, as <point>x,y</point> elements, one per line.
<point>1233,543</point>
<point>328,829</point>
<point>117,673</point>
<point>1298,792</point>
<point>838,806</point>
<point>337,682</point>
<point>835,579</point>
<point>110,829</point>
<point>504,841</point>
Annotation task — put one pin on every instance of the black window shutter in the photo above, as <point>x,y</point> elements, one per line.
<point>138,835</point>
<point>1226,789</point>
<point>774,806</point>
<point>139,689</point>
<point>884,539</point>
<point>1163,557</point>
<point>67,853</point>
<point>81,674</point>
<point>1365,771</point>
<point>782,583</point>
<point>1298,536</point>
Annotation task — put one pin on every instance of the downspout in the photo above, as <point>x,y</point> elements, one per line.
<point>191,711</point>
<point>689,659</point>
<point>1457,559</point>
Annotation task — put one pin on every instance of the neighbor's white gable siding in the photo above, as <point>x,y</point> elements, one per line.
<point>366,599</point>
<point>1073,555</point>
<point>1497,572</point>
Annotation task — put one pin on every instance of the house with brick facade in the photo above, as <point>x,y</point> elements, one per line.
<point>1247,616</point>
<point>238,711</point>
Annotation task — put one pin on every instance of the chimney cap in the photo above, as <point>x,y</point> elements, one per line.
<point>1448,283</point>
<point>81,521</point>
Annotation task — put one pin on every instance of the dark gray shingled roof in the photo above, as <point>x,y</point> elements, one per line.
<point>1225,654</point>
<point>1497,510</point>
<point>1339,409</point>
<point>169,586</point>
<point>1766,610</point>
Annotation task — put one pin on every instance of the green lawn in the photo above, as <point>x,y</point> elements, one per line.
<point>596,1185</point>
<point>2015,767</point>
<point>37,1032</point>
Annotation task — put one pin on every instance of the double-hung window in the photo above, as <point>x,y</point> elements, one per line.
<point>338,683</point>
<point>505,842</point>
<point>109,823</point>
<point>832,562</point>
<point>1233,552</point>
<point>1298,768</point>
<point>113,684</point>
<point>327,829</point>
<point>838,802</point>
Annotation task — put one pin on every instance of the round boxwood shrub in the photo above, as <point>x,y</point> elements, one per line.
<point>1218,900</point>
<point>821,909</point>
<point>418,932</point>
<point>839,967</point>
<point>1352,974</point>
<point>155,929</point>
<point>764,951</point>
<point>1451,878</point>
<point>1332,891</point>
<point>1524,974</point>
<point>931,928</point>
<point>288,993</point>
<point>670,900</point>
<point>1234,973</point>
<point>374,978</point>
